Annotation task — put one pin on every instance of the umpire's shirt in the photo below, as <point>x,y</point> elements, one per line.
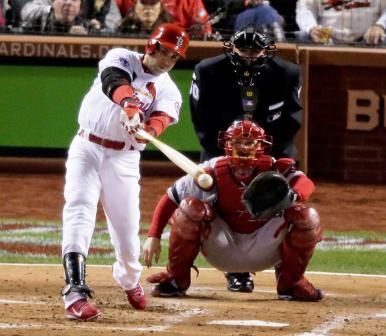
<point>215,102</point>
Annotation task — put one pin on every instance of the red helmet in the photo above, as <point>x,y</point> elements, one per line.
<point>170,36</point>
<point>244,142</point>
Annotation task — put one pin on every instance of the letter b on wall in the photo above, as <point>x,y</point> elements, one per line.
<point>362,110</point>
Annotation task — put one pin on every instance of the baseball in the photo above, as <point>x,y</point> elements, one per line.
<point>205,181</point>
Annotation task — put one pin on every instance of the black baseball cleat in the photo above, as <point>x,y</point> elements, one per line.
<point>167,289</point>
<point>239,282</point>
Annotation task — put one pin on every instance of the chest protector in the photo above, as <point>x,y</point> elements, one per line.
<point>229,206</point>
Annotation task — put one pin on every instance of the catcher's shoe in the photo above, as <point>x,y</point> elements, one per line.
<point>303,290</point>
<point>82,310</point>
<point>136,297</point>
<point>167,286</point>
<point>167,289</point>
<point>239,282</point>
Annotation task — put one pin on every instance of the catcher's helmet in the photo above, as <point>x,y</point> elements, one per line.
<point>170,36</point>
<point>251,39</point>
<point>244,142</point>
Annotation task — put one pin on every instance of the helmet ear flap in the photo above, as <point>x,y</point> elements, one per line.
<point>151,46</point>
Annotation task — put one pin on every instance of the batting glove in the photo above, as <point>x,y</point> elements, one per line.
<point>131,124</point>
<point>130,107</point>
<point>147,129</point>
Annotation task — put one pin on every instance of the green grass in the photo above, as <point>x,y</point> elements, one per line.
<point>356,234</point>
<point>348,259</point>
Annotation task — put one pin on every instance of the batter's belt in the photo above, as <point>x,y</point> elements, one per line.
<point>107,143</point>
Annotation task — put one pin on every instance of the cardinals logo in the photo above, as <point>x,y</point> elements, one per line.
<point>345,4</point>
<point>144,98</point>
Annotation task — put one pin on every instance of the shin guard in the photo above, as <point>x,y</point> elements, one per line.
<point>298,246</point>
<point>185,238</point>
<point>75,272</point>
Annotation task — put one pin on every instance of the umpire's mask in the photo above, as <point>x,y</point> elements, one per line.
<point>248,51</point>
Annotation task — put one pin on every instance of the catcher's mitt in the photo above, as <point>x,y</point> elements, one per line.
<point>267,195</point>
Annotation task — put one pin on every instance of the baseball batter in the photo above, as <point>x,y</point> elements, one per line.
<point>252,219</point>
<point>131,91</point>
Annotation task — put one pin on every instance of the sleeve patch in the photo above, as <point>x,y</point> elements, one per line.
<point>124,62</point>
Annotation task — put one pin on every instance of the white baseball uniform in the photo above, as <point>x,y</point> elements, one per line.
<point>95,172</point>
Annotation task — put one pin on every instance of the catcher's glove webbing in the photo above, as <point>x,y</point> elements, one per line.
<point>267,195</point>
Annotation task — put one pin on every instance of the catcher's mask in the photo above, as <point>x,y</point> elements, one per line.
<point>170,36</point>
<point>246,41</point>
<point>244,142</point>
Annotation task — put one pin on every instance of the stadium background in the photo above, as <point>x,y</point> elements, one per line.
<point>39,103</point>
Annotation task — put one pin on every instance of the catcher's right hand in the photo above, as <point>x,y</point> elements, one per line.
<point>151,248</point>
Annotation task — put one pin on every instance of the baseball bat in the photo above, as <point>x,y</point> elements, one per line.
<point>188,166</point>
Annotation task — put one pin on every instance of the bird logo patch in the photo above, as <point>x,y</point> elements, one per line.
<point>124,62</point>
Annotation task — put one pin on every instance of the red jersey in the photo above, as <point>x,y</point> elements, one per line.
<point>188,13</point>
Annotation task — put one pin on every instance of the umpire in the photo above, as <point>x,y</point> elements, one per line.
<point>247,81</point>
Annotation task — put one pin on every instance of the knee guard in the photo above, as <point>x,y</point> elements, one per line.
<point>184,243</point>
<point>75,273</point>
<point>305,230</point>
<point>187,218</point>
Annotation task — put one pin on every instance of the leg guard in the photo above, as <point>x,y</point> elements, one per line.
<point>75,273</point>
<point>184,242</point>
<point>296,252</point>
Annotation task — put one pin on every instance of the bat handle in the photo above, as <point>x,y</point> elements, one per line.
<point>143,134</point>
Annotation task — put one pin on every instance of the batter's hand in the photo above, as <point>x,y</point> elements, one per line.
<point>147,129</point>
<point>130,107</point>
<point>151,248</point>
<point>131,124</point>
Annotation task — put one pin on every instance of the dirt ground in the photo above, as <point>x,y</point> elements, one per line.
<point>30,304</point>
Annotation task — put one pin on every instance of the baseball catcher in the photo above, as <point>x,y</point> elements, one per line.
<point>253,218</point>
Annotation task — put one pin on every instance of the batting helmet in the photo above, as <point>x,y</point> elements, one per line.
<point>244,142</point>
<point>267,195</point>
<point>170,36</point>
